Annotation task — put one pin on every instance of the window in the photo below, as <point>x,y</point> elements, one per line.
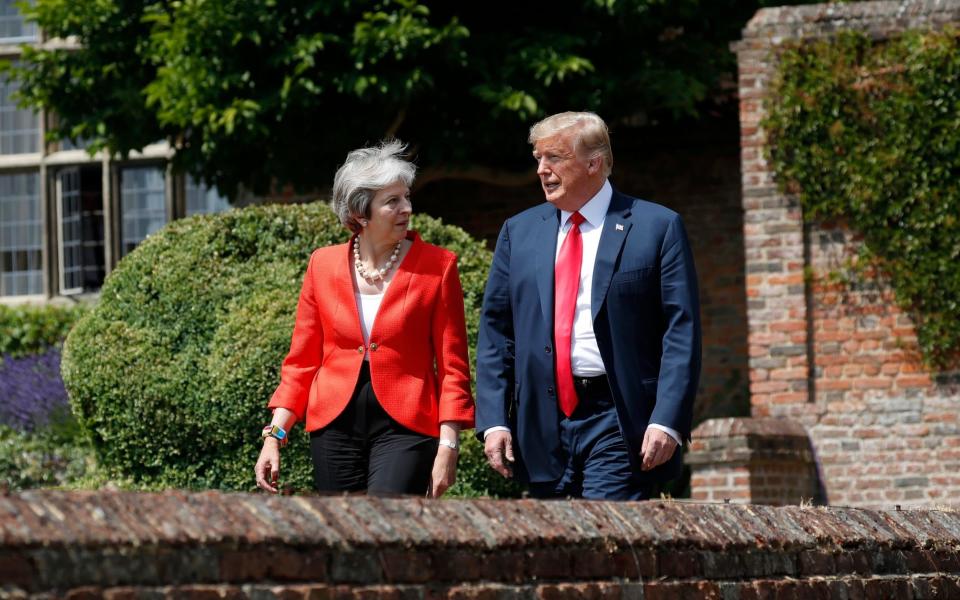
<point>68,144</point>
<point>142,205</point>
<point>13,28</point>
<point>21,235</point>
<point>80,229</point>
<point>19,127</point>
<point>202,199</point>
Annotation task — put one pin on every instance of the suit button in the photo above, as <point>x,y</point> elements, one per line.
<point>547,349</point>
<point>359,349</point>
<point>373,347</point>
<point>550,390</point>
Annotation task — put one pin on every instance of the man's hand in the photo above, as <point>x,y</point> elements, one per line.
<point>657,448</point>
<point>498,446</point>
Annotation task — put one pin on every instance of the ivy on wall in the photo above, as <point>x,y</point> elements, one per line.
<point>869,133</point>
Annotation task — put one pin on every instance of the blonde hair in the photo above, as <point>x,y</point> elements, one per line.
<point>591,138</point>
<point>366,172</point>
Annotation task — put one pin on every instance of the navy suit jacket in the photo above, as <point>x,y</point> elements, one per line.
<point>646,317</point>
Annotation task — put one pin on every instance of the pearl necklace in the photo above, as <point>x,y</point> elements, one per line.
<point>380,273</point>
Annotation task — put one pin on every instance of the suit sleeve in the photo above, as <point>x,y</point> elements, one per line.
<point>680,358</point>
<point>495,343</point>
<point>306,351</point>
<point>449,332</point>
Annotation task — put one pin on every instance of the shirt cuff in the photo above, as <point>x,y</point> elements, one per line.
<point>671,432</point>
<point>490,430</point>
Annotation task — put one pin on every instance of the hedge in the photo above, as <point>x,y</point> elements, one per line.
<point>868,133</point>
<point>29,329</point>
<point>172,370</point>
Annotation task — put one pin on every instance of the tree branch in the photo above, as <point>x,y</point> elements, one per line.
<point>391,131</point>
<point>477,173</point>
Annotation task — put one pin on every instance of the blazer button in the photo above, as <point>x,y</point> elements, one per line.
<point>374,346</point>
<point>547,349</point>
<point>359,349</point>
<point>550,390</point>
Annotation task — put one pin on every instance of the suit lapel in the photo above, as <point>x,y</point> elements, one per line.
<point>616,226</point>
<point>545,240</point>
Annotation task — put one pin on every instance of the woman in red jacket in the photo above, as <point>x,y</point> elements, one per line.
<point>378,361</point>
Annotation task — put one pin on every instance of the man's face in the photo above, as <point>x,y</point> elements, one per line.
<point>568,180</point>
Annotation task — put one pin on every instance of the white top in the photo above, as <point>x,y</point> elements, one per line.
<point>367,306</point>
<point>584,352</point>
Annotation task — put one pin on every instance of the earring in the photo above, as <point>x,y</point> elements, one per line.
<point>364,223</point>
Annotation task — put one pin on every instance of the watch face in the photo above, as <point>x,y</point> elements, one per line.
<point>279,433</point>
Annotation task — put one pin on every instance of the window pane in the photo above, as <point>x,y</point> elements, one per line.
<point>81,223</point>
<point>12,26</point>
<point>70,240</point>
<point>142,205</point>
<point>202,199</point>
<point>20,132</point>
<point>21,236</point>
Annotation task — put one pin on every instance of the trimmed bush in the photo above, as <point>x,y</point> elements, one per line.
<point>172,371</point>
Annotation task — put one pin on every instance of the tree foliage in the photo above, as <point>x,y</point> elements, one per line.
<point>869,133</point>
<point>275,92</point>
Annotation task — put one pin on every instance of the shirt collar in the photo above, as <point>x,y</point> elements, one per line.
<point>595,210</point>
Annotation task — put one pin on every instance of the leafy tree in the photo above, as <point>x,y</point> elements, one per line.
<point>274,92</point>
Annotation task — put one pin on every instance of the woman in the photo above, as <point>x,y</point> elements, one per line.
<point>378,360</point>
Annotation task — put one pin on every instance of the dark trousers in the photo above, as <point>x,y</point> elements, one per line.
<point>364,449</point>
<point>598,466</point>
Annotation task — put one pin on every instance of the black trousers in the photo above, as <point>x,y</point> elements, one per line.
<point>364,449</point>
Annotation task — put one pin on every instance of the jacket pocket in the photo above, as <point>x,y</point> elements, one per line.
<point>633,275</point>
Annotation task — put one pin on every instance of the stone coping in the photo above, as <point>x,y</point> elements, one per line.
<point>61,540</point>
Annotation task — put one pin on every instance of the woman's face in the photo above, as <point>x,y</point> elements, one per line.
<point>390,213</point>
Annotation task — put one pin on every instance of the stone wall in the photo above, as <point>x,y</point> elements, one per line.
<point>212,545</point>
<point>841,361</point>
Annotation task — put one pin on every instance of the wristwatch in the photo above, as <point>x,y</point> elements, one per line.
<point>275,431</point>
<point>449,444</point>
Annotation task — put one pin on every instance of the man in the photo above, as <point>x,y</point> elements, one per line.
<point>589,348</point>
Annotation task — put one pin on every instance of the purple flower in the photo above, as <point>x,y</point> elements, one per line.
<point>31,390</point>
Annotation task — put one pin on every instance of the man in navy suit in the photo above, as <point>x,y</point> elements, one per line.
<point>589,349</point>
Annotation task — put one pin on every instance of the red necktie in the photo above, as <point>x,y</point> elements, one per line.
<point>566,278</point>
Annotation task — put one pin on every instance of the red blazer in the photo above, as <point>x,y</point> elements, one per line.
<point>419,324</point>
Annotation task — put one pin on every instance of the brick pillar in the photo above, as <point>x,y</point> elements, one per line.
<point>774,250</point>
<point>752,461</point>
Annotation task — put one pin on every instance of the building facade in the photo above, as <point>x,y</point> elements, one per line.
<point>66,217</point>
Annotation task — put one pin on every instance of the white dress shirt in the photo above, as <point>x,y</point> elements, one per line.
<point>585,356</point>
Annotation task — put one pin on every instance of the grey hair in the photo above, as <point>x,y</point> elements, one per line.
<point>591,135</point>
<point>366,172</point>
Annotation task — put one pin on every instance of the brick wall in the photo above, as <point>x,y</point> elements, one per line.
<point>213,545</point>
<point>841,360</point>
<point>691,167</point>
<point>753,460</point>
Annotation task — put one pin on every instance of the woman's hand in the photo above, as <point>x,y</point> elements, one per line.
<point>268,465</point>
<point>444,471</point>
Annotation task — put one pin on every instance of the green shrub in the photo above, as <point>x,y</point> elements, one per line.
<point>869,133</point>
<point>172,370</point>
<point>58,454</point>
<point>32,329</point>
